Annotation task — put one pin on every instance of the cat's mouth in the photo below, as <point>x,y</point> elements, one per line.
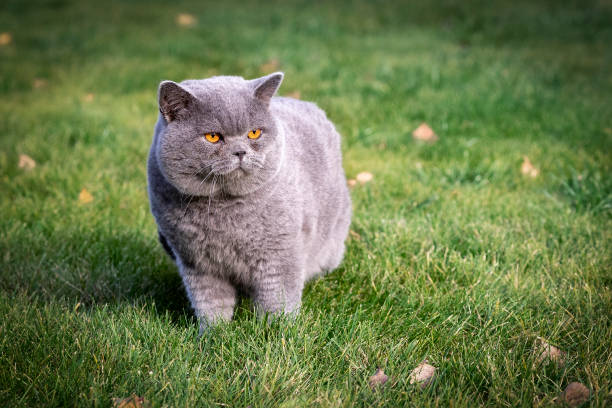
<point>232,169</point>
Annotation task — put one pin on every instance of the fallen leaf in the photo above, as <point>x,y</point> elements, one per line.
<point>26,162</point>
<point>423,374</point>
<point>529,169</point>
<point>355,235</point>
<point>364,177</point>
<point>185,20</point>
<point>546,353</point>
<point>378,379</point>
<point>294,94</point>
<point>270,66</point>
<point>89,97</point>
<point>424,133</point>
<point>85,196</point>
<point>351,182</point>
<point>133,401</point>
<point>5,38</point>
<point>39,83</point>
<point>575,394</point>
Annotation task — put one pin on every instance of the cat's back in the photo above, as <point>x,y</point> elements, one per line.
<point>315,160</point>
<point>311,136</point>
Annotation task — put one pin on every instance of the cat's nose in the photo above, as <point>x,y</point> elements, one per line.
<point>239,153</point>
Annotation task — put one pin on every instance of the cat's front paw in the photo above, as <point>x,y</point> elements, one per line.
<point>269,313</point>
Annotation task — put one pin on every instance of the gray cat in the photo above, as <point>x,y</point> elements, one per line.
<point>248,192</point>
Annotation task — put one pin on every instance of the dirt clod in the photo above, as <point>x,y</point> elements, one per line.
<point>378,379</point>
<point>575,394</point>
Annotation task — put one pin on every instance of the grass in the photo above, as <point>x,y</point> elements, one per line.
<point>455,256</point>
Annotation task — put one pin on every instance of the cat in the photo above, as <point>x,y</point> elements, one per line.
<point>248,193</point>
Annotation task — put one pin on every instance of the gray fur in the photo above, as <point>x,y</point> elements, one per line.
<point>262,223</point>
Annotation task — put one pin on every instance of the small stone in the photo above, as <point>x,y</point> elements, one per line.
<point>423,374</point>
<point>424,133</point>
<point>378,379</point>
<point>575,394</point>
<point>364,177</point>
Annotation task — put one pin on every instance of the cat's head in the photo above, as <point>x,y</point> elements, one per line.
<point>218,134</point>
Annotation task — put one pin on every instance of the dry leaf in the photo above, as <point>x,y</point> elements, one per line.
<point>424,133</point>
<point>5,38</point>
<point>39,83</point>
<point>351,182</point>
<point>355,235</point>
<point>270,66</point>
<point>26,162</point>
<point>185,20</point>
<point>575,394</point>
<point>423,374</point>
<point>294,94</point>
<point>364,177</point>
<point>546,353</point>
<point>528,169</point>
<point>85,196</point>
<point>378,379</point>
<point>133,401</point>
<point>89,97</point>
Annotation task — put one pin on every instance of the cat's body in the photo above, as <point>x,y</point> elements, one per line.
<point>258,216</point>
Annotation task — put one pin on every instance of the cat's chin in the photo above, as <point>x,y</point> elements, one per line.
<point>233,172</point>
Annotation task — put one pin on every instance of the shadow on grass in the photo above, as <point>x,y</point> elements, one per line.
<point>93,267</point>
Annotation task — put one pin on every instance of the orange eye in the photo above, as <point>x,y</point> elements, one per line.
<point>212,137</point>
<point>254,134</point>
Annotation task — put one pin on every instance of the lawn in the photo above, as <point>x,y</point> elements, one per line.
<point>455,255</point>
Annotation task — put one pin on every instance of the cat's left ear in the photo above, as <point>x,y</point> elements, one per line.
<point>174,100</point>
<point>266,87</point>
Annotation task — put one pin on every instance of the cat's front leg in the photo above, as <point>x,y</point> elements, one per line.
<point>278,289</point>
<point>212,298</point>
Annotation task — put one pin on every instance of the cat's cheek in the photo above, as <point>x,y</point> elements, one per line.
<point>256,146</point>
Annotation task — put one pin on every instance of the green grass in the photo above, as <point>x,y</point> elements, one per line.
<point>456,256</point>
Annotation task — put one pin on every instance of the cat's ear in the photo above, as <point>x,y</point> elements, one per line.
<point>266,87</point>
<point>174,100</point>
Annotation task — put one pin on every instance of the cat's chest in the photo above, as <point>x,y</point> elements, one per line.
<point>221,219</point>
<point>236,227</point>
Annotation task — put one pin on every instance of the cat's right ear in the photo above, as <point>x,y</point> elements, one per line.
<point>266,87</point>
<point>174,100</point>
